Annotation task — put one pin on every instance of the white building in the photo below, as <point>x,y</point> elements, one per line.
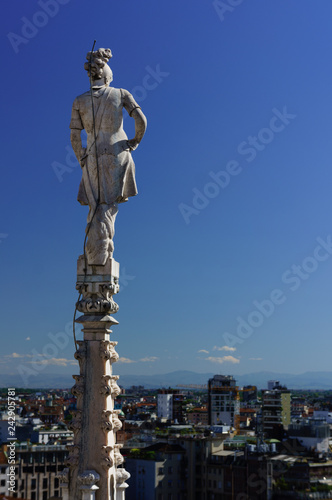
<point>165,406</point>
<point>324,415</point>
<point>55,434</point>
<point>312,433</point>
<point>4,470</point>
<point>272,384</point>
<point>224,401</point>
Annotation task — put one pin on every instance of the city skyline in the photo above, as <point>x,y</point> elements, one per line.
<point>225,254</point>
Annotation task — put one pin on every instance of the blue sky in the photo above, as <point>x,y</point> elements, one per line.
<point>234,179</point>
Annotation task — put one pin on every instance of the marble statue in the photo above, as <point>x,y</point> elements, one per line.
<point>108,169</point>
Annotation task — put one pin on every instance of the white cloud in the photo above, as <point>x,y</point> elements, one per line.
<point>28,338</point>
<point>204,351</point>
<point>149,359</point>
<point>224,359</point>
<point>15,355</point>
<point>126,360</point>
<point>224,348</point>
<point>256,359</point>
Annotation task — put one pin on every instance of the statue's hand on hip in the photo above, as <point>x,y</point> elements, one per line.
<point>132,144</point>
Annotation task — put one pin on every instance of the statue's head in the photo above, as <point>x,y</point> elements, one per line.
<point>97,65</point>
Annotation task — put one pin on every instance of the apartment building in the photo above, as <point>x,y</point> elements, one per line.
<point>276,410</point>
<point>223,401</point>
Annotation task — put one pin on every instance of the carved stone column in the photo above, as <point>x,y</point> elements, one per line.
<point>121,477</point>
<point>94,456</point>
<point>87,485</point>
<point>63,480</point>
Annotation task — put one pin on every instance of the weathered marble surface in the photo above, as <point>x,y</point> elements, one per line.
<point>95,462</point>
<point>108,169</point>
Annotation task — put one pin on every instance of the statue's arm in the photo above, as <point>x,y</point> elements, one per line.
<point>134,110</point>
<point>140,127</point>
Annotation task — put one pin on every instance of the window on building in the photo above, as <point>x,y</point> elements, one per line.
<point>3,482</point>
<point>33,484</point>
<point>44,483</point>
<point>160,470</point>
<point>170,470</point>
<point>33,495</point>
<point>45,495</point>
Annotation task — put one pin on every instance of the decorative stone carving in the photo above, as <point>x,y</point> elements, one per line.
<point>76,422</point>
<point>73,457</point>
<point>114,386</point>
<point>121,476</point>
<point>88,478</point>
<point>63,477</point>
<point>117,424</point>
<point>105,387</point>
<point>107,350</point>
<point>97,298</point>
<point>117,455</point>
<point>106,458</point>
<point>80,354</point>
<point>78,388</point>
<point>106,422</point>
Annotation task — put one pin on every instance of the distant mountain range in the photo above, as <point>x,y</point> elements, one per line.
<point>307,380</point>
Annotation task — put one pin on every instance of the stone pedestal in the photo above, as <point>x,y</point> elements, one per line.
<point>95,457</point>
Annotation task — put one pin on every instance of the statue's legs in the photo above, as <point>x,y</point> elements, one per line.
<point>100,246</point>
